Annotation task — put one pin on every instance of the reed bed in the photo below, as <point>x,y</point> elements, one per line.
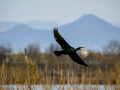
<point>54,77</point>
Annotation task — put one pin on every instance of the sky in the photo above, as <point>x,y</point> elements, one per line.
<point>60,11</point>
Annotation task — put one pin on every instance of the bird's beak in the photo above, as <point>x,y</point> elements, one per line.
<point>82,48</point>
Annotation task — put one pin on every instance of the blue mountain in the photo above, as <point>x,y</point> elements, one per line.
<point>21,35</point>
<point>88,31</point>
<point>4,26</point>
<point>42,24</point>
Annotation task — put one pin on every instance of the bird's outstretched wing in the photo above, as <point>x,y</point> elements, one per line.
<point>60,40</point>
<point>77,59</point>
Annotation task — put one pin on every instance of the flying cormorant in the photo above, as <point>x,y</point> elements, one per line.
<point>67,49</point>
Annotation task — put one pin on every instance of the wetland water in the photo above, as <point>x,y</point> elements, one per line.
<point>60,87</point>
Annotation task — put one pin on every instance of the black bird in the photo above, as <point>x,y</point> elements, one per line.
<point>67,49</point>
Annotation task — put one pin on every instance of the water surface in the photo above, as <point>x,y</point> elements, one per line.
<point>60,87</point>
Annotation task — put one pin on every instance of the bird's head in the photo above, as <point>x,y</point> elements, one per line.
<point>80,48</point>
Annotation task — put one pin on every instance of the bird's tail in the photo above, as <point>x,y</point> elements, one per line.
<point>58,53</point>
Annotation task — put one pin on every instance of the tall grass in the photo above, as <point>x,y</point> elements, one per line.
<point>27,77</point>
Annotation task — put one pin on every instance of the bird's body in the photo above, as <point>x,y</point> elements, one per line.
<point>67,49</point>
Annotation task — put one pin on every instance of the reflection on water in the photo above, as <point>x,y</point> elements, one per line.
<point>60,87</point>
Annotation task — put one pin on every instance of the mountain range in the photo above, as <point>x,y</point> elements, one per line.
<point>88,31</point>
<point>5,26</point>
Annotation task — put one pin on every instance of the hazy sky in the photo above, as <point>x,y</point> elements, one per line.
<point>61,11</point>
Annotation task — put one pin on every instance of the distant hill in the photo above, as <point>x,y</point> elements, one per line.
<point>4,26</point>
<point>88,31</point>
<point>42,24</point>
<point>21,35</point>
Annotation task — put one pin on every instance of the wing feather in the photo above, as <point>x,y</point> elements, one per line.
<point>60,40</point>
<point>77,59</point>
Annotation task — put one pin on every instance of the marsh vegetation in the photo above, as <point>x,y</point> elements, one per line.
<point>33,68</point>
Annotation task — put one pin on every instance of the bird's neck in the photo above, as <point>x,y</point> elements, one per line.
<point>77,49</point>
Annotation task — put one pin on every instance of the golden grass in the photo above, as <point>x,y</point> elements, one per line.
<point>30,76</point>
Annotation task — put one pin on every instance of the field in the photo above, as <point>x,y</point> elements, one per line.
<point>30,76</point>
